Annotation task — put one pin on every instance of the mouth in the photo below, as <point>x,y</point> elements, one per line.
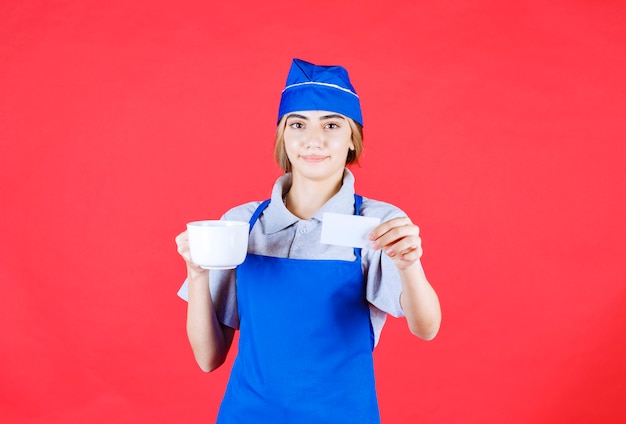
<point>313,158</point>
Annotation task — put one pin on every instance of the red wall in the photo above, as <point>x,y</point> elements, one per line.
<point>499,128</point>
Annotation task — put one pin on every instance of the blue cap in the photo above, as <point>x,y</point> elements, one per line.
<point>314,87</point>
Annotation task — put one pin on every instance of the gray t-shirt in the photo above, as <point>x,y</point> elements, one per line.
<point>279,233</point>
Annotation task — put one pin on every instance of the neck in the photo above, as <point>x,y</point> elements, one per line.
<point>305,197</point>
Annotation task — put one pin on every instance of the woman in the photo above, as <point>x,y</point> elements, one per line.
<point>309,314</point>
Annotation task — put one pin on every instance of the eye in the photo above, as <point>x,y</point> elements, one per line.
<point>331,125</point>
<point>296,125</point>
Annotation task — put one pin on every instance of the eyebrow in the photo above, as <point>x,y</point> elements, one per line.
<point>298,116</point>
<point>333,116</point>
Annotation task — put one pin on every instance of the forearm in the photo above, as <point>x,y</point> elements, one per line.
<point>419,303</point>
<point>206,335</point>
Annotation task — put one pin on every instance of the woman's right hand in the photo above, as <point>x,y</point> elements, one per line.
<point>210,340</point>
<point>182,246</point>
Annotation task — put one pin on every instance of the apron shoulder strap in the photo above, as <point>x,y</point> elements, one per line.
<point>259,210</point>
<point>358,200</point>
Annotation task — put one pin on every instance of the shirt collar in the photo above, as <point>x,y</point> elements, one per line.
<point>281,218</point>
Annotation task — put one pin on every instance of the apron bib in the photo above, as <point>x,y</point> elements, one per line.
<point>305,343</point>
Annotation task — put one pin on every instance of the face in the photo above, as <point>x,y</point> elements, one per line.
<point>317,143</point>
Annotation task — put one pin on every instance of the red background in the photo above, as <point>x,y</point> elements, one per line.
<point>498,127</point>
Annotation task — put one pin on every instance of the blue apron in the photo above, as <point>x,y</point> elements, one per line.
<point>305,345</point>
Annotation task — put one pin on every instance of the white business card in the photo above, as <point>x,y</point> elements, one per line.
<point>347,230</point>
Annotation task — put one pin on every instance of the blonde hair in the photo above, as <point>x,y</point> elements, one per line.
<point>280,154</point>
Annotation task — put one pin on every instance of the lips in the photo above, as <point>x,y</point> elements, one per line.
<point>313,158</point>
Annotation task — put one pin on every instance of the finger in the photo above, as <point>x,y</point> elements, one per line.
<point>407,256</point>
<point>186,255</point>
<point>180,238</point>
<point>412,256</point>
<point>387,226</point>
<point>403,246</point>
<point>395,235</point>
<point>182,246</point>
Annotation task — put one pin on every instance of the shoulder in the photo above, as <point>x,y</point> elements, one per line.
<point>242,212</point>
<point>383,210</point>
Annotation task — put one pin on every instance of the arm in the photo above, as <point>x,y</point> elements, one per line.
<point>209,339</point>
<point>399,238</point>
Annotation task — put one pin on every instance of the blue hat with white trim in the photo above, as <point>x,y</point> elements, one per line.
<point>314,87</point>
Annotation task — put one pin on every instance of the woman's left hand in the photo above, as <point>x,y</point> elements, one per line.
<point>400,240</point>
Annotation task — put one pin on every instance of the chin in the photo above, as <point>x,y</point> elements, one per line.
<point>319,173</point>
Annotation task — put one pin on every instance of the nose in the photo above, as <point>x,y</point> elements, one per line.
<point>315,138</point>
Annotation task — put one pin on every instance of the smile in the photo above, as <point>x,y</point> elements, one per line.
<point>313,158</point>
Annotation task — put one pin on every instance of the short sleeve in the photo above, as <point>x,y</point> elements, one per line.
<point>382,279</point>
<point>383,284</point>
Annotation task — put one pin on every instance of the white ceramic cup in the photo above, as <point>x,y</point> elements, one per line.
<point>216,244</point>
